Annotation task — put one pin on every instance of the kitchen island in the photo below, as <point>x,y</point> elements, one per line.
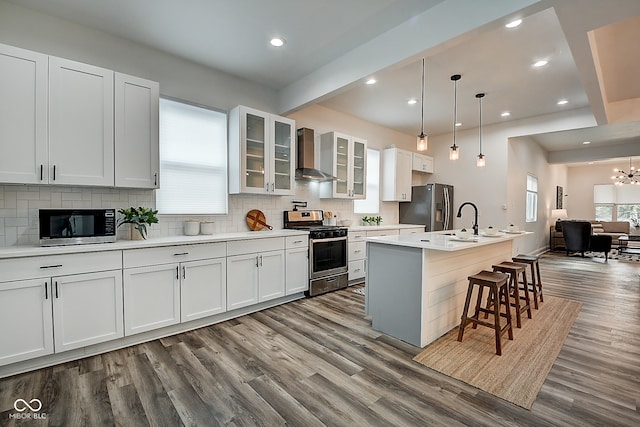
<point>417,283</point>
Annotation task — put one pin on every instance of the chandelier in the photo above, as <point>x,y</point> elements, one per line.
<point>630,177</point>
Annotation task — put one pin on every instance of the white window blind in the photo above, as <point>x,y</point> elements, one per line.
<point>371,204</point>
<point>193,159</point>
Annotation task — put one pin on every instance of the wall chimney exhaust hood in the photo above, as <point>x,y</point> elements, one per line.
<point>306,170</point>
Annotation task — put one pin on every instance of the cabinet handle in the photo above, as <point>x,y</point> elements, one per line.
<point>184,272</point>
<point>257,262</point>
<point>273,187</point>
<point>331,280</point>
<point>51,266</point>
<point>357,251</point>
<point>297,241</point>
<point>177,273</point>
<point>356,270</point>
<point>56,289</point>
<point>46,290</point>
<point>266,187</point>
<point>41,172</point>
<point>260,260</point>
<point>54,172</point>
<point>181,254</point>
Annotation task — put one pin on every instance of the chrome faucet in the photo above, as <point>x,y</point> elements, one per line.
<point>475,223</point>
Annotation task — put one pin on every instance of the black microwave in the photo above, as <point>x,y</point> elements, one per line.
<point>77,226</point>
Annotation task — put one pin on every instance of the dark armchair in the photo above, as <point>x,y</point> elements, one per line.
<point>578,238</point>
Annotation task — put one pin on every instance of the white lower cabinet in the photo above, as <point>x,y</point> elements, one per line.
<point>203,291</point>
<point>168,285</point>
<point>52,311</point>
<point>255,271</point>
<point>78,323</point>
<point>297,264</point>
<point>151,297</point>
<point>26,320</point>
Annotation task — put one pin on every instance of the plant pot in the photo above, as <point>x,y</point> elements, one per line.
<point>134,234</point>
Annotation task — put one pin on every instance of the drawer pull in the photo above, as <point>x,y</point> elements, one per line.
<point>356,270</point>
<point>51,266</point>
<point>56,290</point>
<point>297,241</point>
<point>46,290</point>
<point>357,251</point>
<point>184,272</point>
<point>181,254</point>
<point>177,273</point>
<point>41,172</point>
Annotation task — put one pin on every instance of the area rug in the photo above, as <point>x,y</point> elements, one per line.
<point>614,254</point>
<point>516,376</point>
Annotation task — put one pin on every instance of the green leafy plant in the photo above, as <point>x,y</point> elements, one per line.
<point>140,217</point>
<point>367,219</point>
<point>377,220</point>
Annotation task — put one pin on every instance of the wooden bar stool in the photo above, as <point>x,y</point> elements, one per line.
<point>536,282</point>
<point>497,284</point>
<point>521,303</point>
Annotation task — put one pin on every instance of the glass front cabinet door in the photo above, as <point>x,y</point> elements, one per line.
<point>261,152</point>
<point>344,157</point>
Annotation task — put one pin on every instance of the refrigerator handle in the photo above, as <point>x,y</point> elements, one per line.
<point>447,208</point>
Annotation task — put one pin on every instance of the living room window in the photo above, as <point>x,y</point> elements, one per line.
<point>193,159</point>
<point>604,212</point>
<point>532,199</point>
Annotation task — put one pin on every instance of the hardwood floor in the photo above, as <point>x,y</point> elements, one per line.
<point>317,362</point>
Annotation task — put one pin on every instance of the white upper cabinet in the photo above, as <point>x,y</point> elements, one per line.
<point>23,116</point>
<point>261,152</point>
<point>422,163</point>
<point>396,175</point>
<point>344,157</point>
<point>58,119</point>
<point>137,160</point>
<point>81,148</point>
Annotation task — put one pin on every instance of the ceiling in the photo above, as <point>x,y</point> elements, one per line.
<point>333,46</point>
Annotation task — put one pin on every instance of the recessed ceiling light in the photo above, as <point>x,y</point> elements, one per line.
<point>505,114</point>
<point>371,81</point>
<point>277,42</point>
<point>586,142</point>
<point>514,24</point>
<point>563,102</point>
<point>458,124</point>
<point>412,101</point>
<point>540,63</point>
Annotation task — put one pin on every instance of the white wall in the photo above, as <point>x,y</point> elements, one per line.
<point>581,180</point>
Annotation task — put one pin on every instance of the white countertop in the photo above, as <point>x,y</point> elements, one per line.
<point>24,251</point>
<point>442,241</point>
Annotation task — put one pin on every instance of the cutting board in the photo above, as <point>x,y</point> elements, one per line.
<point>257,221</point>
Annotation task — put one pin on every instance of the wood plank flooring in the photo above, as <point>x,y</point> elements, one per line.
<point>317,362</point>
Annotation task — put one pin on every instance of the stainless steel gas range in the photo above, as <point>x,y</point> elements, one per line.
<point>328,263</point>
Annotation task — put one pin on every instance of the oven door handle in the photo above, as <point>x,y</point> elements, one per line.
<point>332,239</point>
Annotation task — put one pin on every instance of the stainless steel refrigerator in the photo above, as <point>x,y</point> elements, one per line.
<point>431,205</point>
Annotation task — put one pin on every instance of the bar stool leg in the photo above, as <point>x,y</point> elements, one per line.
<point>539,282</point>
<point>496,322</point>
<point>463,320</point>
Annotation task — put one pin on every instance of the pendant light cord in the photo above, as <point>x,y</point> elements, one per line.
<point>480,96</point>
<point>422,101</point>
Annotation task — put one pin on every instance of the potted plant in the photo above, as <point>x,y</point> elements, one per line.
<point>139,218</point>
<point>367,220</point>
<point>377,220</point>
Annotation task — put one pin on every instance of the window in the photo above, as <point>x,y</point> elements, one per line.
<point>532,199</point>
<point>604,212</point>
<point>193,159</point>
<point>370,205</point>
<point>629,212</point>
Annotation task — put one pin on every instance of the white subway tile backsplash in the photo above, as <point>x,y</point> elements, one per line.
<point>19,205</point>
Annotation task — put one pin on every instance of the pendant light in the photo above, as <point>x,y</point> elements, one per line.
<point>421,143</point>
<point>481,160</point>
<point>454,153</point>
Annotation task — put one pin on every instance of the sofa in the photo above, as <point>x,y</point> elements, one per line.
<point>615,229</point>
